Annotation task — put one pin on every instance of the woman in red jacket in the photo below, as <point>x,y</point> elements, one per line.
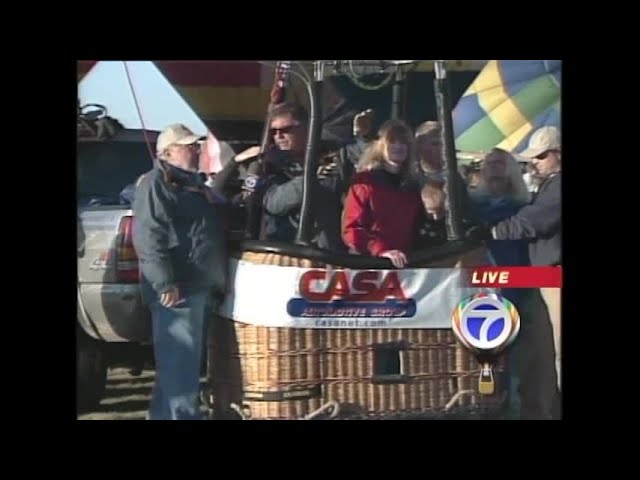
<point>383,204</point>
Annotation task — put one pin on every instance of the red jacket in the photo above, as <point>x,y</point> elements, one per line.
<point>378,215</point>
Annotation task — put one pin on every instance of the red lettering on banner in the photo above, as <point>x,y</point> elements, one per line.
<point>391,287</point>
<point>365,286</point>
<point>339,285</point>
<point>305,284</point>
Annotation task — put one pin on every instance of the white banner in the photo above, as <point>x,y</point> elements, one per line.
<point>279,296</point>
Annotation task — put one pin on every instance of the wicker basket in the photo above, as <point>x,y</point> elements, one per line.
<point>353,358</point>
<point>287,373</point>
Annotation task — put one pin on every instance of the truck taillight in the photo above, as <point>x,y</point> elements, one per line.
<point>126,257</point>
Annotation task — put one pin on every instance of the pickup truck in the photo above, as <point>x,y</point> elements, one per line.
<point>110,309</point>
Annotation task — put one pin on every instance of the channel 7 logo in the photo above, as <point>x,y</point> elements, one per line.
<point>486,322</point>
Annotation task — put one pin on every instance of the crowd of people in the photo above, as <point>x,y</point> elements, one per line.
<point>382,194</point>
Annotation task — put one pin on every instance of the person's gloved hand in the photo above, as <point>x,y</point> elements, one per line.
<point>327,170</point>
<point>252,179</point>
<point>479,233</point>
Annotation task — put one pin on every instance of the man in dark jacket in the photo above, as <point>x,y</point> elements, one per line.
<point>540,224</point>
<point>363,135</point>
<point>180,241</point>
<point>283,184</point>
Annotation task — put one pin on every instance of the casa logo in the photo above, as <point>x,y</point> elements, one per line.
<point>486,322</point>
<point>345,293</point>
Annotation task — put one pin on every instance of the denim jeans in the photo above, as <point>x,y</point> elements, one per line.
<point>178,340</point>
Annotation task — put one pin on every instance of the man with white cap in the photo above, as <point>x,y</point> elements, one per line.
<point>180,241</point>
<point>540,223</point>
<point>177,144</point>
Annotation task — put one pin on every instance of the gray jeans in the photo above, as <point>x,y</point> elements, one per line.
<point>552,297</point>
<point>535,360</point>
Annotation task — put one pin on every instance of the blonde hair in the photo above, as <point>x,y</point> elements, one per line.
<point>515,183</point>
<point>425,131</point>
<point>427,128</point>
<point>374,156</point>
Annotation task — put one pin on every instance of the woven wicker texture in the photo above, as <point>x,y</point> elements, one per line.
<point>366,370</point>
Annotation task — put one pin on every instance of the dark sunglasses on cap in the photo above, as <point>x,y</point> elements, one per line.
<point>283,130</point>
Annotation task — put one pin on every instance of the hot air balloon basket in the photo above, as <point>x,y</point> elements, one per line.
<point>287,374</point>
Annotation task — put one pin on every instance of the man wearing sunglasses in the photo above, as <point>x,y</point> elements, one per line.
<point>540,223</point>
<point>284,184</point>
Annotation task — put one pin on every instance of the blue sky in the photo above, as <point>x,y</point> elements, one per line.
<point>161,105</point>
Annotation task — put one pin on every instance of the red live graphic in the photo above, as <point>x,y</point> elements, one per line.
<point>515,277</point>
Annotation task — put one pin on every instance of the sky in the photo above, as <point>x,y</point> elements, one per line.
<point>160,104</point>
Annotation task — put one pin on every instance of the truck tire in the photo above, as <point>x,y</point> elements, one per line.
<point>91,371</point>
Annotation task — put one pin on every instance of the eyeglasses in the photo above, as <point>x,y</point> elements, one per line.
<point>189,146</point>
<point>543,155</point>
<point>283,130</point>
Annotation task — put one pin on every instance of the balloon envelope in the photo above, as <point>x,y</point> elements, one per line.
<point>506,103</point>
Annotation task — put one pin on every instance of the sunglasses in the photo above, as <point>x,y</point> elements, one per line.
<point>195,146</point>
<point>283,130</point>
<point>543,155</point>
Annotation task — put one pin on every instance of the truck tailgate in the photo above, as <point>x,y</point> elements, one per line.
<point>97,235</point>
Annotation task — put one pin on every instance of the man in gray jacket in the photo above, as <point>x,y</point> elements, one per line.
<point>180,240</point>
<point>541,224</point>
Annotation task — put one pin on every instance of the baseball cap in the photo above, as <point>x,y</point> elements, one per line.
<point>542,140</point>
<point>176,133</point>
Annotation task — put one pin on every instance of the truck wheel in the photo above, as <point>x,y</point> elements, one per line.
<point>91,371</point>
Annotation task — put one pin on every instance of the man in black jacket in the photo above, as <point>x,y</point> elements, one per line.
<point>541,224</point>
<point>180,241</point>
<point>284,181</point>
